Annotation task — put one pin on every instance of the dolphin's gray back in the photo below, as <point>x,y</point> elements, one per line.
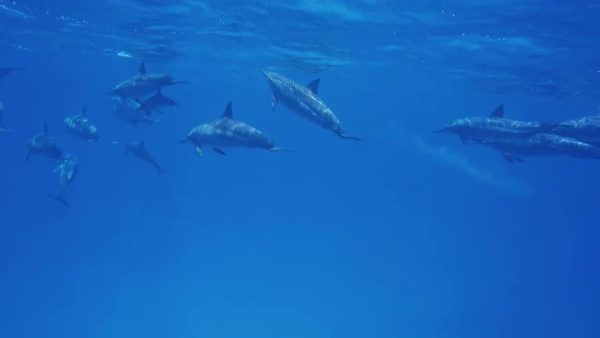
<point>493,128</point>
<point>227,132</point>
<point>586,129</point>
<point>303,101</point>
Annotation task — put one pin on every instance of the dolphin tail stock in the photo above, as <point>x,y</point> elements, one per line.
<point>349,137</point>
<point>512,159</point>
<point>60,198</point>
<point>280,149</point>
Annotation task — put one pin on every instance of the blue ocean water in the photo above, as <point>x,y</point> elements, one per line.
<point>405,234</point>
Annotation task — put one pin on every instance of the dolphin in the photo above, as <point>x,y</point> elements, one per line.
<point>586,129</point>
<point>156,102</point>
<point>138,149</point>
<point>2,126</point>
<point>6,71</point>
<point>543,145</point>
<point>67,171</point>
<point>227,132</point>
<point>44,144</point>
<point>129,111</point>
<point>304,101</point>
<point>143,84</point>
<point>80,126</point>
<point>495,127</point>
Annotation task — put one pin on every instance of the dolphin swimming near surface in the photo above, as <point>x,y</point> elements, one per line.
<point>156,102</point>
<point>67,171</point>
<point>128,110</point>
<point>543,145</point>
<point>143,84</point>
<point>586,129</point>
<point>304,101</point>
<point>138,149</point>
<point>6,71</point>
<point>44,144</point>
<point>80,126</point>
<point>227,132</point>
<point>495,127</point>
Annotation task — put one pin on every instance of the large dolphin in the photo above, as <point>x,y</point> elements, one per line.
<point>7,70</point>
<point>138,149</point>
<point>227,132</point>
<point>129,110</point>
<point>304,101</point>
<point>586,129</point>
<point>2,126</point>
<point>44,144</point>
<point>143,84</point>
<point>80,126</point>
<point>67,171</point>
<point>543,145</point>
<point>155,102</point>
<point>495,127</point>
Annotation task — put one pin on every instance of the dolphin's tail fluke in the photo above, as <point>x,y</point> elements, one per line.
<point>349,137</point>
<point>279,149</point>
<point>60,198</point>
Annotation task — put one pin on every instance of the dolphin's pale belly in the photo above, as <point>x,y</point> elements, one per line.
<point>547,145</point>
<point>138,87</point>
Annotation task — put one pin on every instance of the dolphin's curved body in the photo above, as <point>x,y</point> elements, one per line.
<point>143,84</point>
<point>543,145</point>
<point>227,132</point>
<point>129,110</point>
<point>67,171</point>
<point>7,70</point>
<point>80,126</point>
<point>45,145</point>
<point>495,127</point>
<point>304,101</point>
<point>138,149</point>
<point>586,129</point>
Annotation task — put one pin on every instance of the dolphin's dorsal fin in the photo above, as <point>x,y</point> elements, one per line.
<point>46,127</point>
<point>314,86</point>
<point>84,111</point>
<point>228,111</point>
<point>142,68</point>
<point>499,112</point>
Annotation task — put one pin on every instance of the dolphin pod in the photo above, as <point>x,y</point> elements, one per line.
<point>579,138</point>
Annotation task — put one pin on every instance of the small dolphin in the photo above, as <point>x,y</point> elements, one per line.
<point>156,102</point>
<point>80,126</point>
<point>305,101</point>
<point>129,111</point>
<point>543,145</point>
<point>44,144</point>
<point>6,71</point>
<point>586,129</point>
<point>2,126</point>
<point>495,127</point>
<point>67,171</point>
<point>143,84</point>
<point>138,149</point>
<point>227,132</point>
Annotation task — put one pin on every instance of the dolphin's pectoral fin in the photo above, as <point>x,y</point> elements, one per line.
<point>199,151</point>
<point>219,151</point>
<point>273,103</point>
<point>465,140</point>
<point>510,158</point>
<point>142,68</point>
<point>60,198</point>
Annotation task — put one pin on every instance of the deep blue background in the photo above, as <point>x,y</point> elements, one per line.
<point>407,234</point>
